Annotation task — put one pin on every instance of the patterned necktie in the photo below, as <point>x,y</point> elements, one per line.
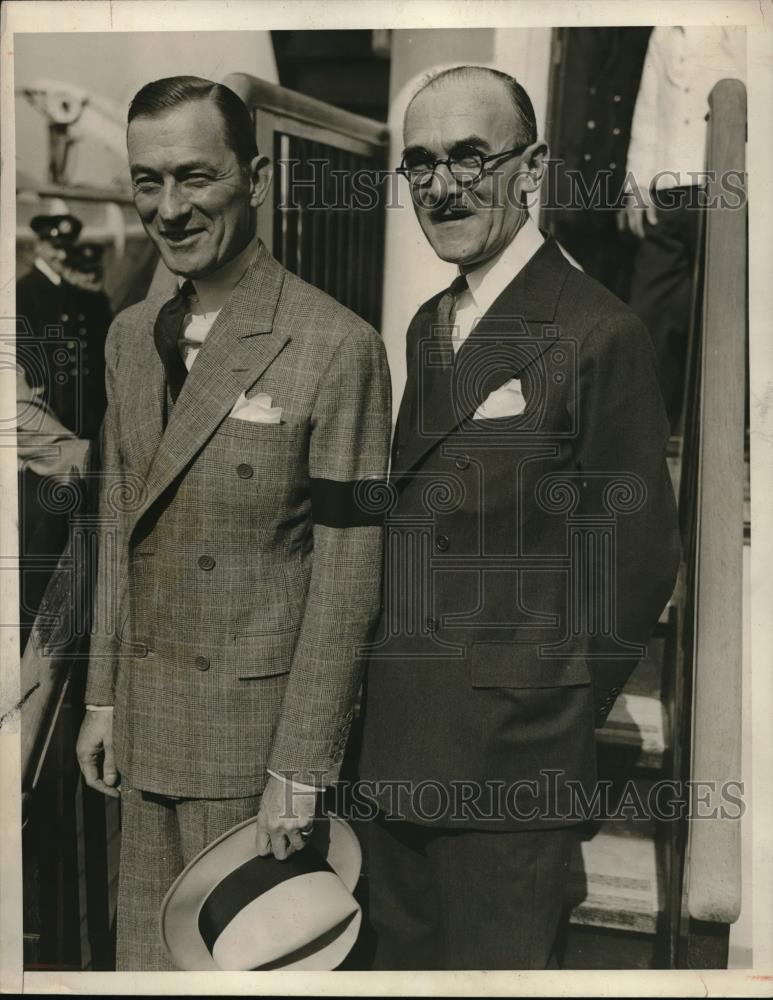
<point>166,334</point>
<point>444,321</point>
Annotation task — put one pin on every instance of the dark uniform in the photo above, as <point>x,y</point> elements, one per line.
<point>597,85</point>
<point>65,330</point>
<point>61,330</point>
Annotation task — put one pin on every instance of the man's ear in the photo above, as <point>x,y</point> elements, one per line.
<point>261,173</point>
<point>534,160</point>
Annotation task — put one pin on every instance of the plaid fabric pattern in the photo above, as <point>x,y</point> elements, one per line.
<point>159,837</point>
<point>242,618</point>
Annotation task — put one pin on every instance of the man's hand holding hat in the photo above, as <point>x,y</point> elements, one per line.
<point>229,910</point>
<point>286,814</point>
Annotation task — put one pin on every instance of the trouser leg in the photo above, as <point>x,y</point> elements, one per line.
<point>661,289</point>
<point>402,902</point>
<point>151,859</point>
<point>203,820</point>
<point>501,896</point>
<point>159,836</point>
<point>466,899</point>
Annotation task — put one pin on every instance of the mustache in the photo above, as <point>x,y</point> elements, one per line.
<point>444,198</point>
<point>451,203</point>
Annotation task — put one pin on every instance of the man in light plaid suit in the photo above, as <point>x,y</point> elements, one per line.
<point>245,417</point>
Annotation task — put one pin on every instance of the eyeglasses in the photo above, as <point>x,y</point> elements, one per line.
<point>466,166</point>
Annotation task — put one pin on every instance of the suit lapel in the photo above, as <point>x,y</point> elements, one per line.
<point>435,404</point>
<point>144,391</point>
<point>237,350</point>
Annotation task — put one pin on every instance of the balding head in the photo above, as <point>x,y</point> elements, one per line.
<point>524,123</point>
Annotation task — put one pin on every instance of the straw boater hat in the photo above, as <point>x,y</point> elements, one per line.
<point>232,910</point>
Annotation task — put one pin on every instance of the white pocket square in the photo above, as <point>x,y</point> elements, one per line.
<point>257,409</point>
<point>506,401</point>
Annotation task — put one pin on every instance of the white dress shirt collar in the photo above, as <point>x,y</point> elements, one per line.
<point>46,269</point>
<point>487,282</point>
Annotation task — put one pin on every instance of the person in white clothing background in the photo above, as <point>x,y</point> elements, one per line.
<point>666,165</point>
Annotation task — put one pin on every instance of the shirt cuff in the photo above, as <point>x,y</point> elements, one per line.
<point>296,784</point>
<point>99,708</point>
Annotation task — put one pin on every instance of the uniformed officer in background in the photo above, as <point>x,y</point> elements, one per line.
<point>62,320</point>
<point>598,80</point>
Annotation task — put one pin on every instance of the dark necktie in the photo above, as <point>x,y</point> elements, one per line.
<point>166,334</point>
<point>444,320</point>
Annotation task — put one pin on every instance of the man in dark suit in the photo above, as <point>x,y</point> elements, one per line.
<point>531,548</point>
<point>243,416</point>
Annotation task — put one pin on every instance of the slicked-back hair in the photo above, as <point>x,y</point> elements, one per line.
<point>525,119</point>
<point>160,96</point>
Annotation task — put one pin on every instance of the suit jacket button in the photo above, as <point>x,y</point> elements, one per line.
<point>462,463</point>
<point>431,624</point>
<point>206,562</point>
<point>441,543</point>
<point>202,663</point>
<point>244,471</point>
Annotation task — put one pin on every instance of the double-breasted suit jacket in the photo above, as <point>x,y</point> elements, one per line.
<point>529,556</point>
<point>239,560</point>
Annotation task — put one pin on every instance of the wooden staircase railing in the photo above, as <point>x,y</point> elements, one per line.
<point>664,895</point>
<point>714,539</point>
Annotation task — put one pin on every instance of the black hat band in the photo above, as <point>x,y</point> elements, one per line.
<point>250,880</point>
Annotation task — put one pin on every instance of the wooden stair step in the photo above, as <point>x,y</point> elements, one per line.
<point>647,676</point>
<point>615,878</point>
<point>637,725</point>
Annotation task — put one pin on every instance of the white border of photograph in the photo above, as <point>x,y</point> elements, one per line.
<point>261,15</point>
